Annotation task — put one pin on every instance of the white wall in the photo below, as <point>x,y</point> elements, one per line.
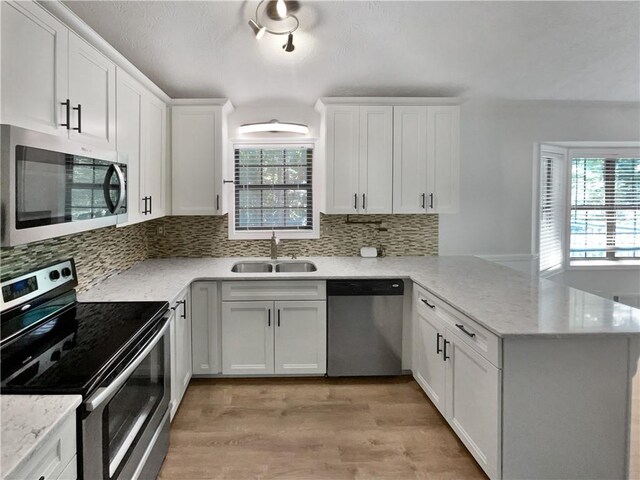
<point>497,145</point>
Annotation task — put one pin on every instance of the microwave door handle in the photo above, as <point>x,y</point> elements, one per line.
<point>122,192</point>
<point>106,187</point>
<point>104,393</point>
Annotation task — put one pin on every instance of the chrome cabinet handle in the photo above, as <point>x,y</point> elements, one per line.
<point>103,393</point>
<point>461,327</point>
<point>67,104</point>
<point>79,110</point>
<point>446,357</point>
<point>426,302</point>
<point>438,348</point>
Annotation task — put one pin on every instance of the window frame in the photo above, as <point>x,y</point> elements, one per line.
<point>312,233</point>
<point>604,263</point>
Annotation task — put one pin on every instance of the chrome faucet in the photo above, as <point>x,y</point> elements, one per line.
<point>274,246</point>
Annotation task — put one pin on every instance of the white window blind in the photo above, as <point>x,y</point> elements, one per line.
<point>273,188</point>
<point>605,208</point>
<point>552,210</point>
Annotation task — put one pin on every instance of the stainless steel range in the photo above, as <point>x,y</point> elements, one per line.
<point>116,355</point>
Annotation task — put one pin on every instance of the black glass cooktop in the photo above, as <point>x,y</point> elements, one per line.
<point>74,350</point>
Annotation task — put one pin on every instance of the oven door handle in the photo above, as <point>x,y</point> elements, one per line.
<point>103,393</point>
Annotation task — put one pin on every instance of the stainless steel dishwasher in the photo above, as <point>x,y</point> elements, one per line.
<point>364,327</point>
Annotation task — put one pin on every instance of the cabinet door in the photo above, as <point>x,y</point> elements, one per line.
<point>409,159</point>
<point>430,368</point>
<point>92,88</point>
<point>153,168</point>
<point>376,160</point>
<point>183,344</point>
<point>205,328</point>
<point>443,165</point>
<point>342,154</point>
<point>247,338</point>
<point>301,337</point>
<point>175,400</point>
<point>34,68</point>
<point>473,402</point>
<point>196,141</point>
<point>130,95</point>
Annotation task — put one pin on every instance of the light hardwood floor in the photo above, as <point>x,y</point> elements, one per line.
<point>313,428</point>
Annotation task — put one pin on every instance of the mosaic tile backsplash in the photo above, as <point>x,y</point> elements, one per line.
<point>195,236</point>
<point>98,253</point>
<point>102,253</point>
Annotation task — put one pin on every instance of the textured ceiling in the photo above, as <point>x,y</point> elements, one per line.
<point>517,50</point>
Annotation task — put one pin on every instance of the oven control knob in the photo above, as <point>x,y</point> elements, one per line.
<point>66,272</point>
<point>54,275</point>
<point>55,356</point>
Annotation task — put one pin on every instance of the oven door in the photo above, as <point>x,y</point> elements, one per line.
<point>125,417</point>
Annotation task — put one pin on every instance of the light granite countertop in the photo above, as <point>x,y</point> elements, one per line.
<point>506,302</point>
<point>27,422</point>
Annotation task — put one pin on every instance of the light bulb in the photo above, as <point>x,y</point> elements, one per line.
<point>281,8</point>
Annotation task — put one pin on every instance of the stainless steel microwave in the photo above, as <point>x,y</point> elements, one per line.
<point>52,186</point>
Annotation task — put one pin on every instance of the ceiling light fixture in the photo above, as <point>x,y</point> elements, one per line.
<point>277,11</point>
<point>274,126</point>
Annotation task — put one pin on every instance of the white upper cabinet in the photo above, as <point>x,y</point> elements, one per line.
<point>376,160</point>
<point>130,97</point>
<point>426,159</point>
<point>342,156</point>
<point>391,158</point>
<point>359,155</point>
<point>443,159</point>
<point>92,92</point>
<point>34,68</point>
<point>198,148</point>
<point>153,163</point>
<point>409,159</point>
<point>53,81</point>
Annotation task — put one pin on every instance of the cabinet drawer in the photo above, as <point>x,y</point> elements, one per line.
<point>274,290</point>
<point>473,334</point>
<point>51,458</point>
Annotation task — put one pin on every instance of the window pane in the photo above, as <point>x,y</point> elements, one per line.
<point>605,202</point>
<point>588,234</point>
<point>266,193</point>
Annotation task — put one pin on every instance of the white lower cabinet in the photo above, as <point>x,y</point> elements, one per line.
<point>473,402</point>
<point>55,458</point>
<point>205,328</point>
<point>275,335</point>
<point>461,383</point>
<point>300,337</point>
<point>247,338</point>
<point>180,328</point>
<point>429,371</point>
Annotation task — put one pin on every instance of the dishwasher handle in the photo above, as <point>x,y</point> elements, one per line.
<point>356,288</point>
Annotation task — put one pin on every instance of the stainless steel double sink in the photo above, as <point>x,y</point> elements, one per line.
<point>275,266</point>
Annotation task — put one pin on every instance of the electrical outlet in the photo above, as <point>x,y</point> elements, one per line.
<point>160,230</point>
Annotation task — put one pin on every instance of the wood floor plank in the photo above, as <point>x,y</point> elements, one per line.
<point>313,428</point>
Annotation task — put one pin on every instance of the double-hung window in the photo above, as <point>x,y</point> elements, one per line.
<point>604,208</point>
<point>273,192</point>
